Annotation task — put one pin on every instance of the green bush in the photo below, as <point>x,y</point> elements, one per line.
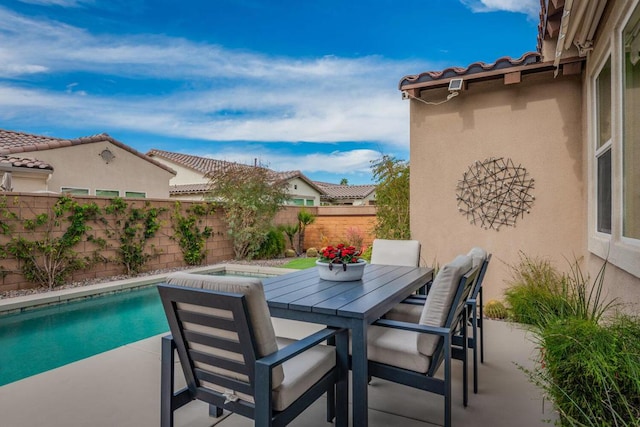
<point>273,245</point>
<point>538,293</point>
<point>589,364</point>
<point>592,371</point>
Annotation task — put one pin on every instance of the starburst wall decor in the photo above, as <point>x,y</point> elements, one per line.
<point>494,193</point>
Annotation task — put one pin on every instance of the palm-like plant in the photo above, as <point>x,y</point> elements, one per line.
<point>304,218</point>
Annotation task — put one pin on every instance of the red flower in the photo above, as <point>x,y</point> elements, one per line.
<point>340,254</point>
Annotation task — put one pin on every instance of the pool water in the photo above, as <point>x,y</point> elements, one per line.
<point>42,339</point>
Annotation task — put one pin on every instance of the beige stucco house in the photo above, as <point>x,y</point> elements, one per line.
<point>192,178</point>
<point>96,165</point>
<point>539,154</point>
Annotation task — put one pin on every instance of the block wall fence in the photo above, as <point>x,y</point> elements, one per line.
<point>331,226</point>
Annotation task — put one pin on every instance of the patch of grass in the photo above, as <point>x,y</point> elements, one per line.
<point>300,263</point>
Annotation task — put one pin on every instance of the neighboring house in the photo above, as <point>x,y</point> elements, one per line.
<point>539,154</point>
<point>356,195</point>
<point>95,165</point>
<point>192,183</point>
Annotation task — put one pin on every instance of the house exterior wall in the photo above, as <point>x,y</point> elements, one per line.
<point>184,175</point>
<point>622,278</point>
<point>80,166</point>
<point>29,181</point>
<point>299,189</point>
<point>536,124</point>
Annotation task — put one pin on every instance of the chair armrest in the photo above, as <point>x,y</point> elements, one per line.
<point>433,330</point>
<point>279,357</point>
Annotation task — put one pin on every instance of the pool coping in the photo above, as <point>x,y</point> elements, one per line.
<point>22,303</point>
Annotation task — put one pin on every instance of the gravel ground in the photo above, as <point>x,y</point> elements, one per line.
<point>21,292</point>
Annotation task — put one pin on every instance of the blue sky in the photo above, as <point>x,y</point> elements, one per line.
<point>308,85</point>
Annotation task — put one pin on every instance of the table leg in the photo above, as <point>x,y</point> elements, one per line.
<point>360,374</point>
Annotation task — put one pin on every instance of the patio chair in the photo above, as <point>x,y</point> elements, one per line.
<point>411,353</point>
<point>396,252</point>
<point>232,359</point>
<point>411,309</point>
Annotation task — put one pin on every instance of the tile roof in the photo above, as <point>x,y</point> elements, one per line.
<point>334,191</point>
<point>24,162</point>
<point>189,188</point>
<point>204,165</point>
<point>503,63</point>
<point>12,142</point>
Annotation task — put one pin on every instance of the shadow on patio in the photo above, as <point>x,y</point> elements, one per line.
<point>122,388</point>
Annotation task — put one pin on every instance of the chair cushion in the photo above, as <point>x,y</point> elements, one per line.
<point>251,288</point>
<point>396,347</point>
<point>405,313</point>
<point>438,304</point>
<point>396,252</point>
<point>478,255</point>
<point>301,372</point>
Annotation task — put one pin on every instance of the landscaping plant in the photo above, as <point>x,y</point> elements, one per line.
<point>392,198</point>
<point>189,232</point>
<point>589,361</point>
<point>251,197</point>
<point>45,249</point>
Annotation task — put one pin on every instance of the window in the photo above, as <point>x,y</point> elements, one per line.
<point>75,191</point>
<point>135,194</point>
<point>309,202</point>
<point>631,127</point>
<point>603,148</point>
<point>107,193</point>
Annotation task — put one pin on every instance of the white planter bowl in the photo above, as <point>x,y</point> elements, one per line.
<point>338,273</point>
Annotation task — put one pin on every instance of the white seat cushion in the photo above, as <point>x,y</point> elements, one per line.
<point>259,314</point>
<point>301,372</point>
<point>438,304</point>
<point>396,252</point>
<point>397,348</point>
<point>478,255</point>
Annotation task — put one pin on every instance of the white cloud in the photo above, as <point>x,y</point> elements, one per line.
<point>239,95</point>
<point>528,7</point>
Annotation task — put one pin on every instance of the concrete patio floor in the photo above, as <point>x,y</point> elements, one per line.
<point>121,388</point>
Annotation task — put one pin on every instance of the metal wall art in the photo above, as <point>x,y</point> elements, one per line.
<point>494,193</point>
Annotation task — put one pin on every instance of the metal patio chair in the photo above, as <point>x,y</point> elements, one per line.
<point>232,360</point>
<point>411,308</point>
<point>411,353</point>
<point>396,252</point>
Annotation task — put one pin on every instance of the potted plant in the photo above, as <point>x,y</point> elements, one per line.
<point>340,263</point>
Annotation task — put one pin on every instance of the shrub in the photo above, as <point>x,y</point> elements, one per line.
<point>273,244</point>
<point>538,292</point>
<point>592,371</point>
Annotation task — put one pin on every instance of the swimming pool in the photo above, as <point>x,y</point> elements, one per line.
<point>40,339</point>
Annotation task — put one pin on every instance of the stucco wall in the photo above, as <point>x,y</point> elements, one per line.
<point>80,166</point>
<point>537,124</point>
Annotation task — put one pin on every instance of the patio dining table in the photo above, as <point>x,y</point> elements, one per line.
<point>303,296</point>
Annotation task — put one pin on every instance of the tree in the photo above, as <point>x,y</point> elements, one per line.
<point>251,198</point>
<point>392,198</point>
<point>304,218</point>
<point>344,181</point>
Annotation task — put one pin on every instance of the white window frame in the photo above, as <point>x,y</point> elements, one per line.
<point>623,252</point>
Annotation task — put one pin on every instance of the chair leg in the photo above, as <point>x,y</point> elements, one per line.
<point>215,411</point>
<point>474,332</point>
<point>481,327</point>
<point>166,382</point>
<point>465,356</point>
